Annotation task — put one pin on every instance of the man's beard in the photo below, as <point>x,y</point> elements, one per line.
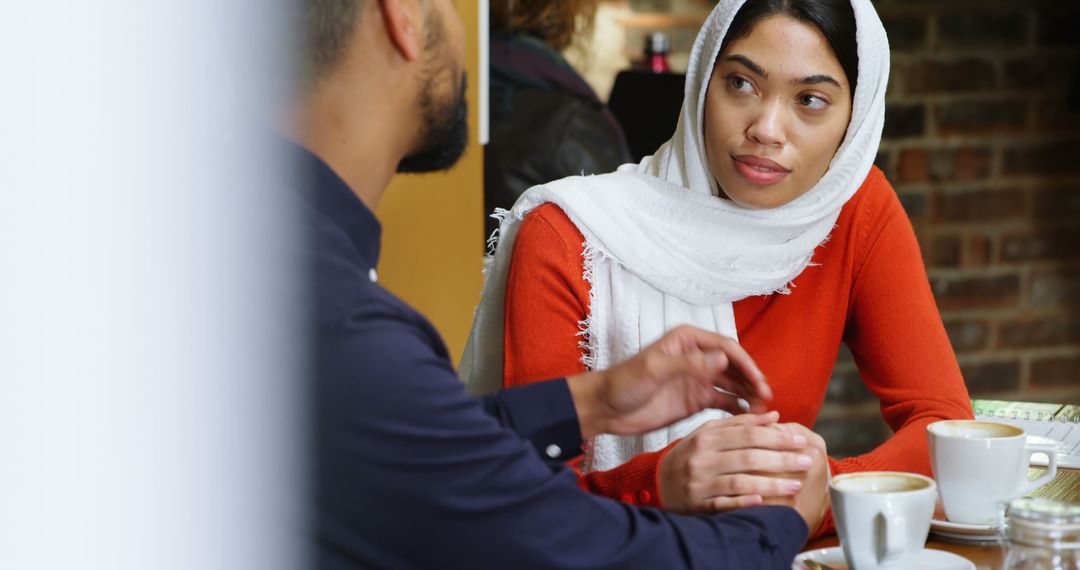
<point>446,132</point>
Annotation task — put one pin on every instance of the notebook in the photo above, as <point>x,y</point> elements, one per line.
<point>1047,423</point>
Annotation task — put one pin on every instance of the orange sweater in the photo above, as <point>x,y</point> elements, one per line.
<point>868,289</point>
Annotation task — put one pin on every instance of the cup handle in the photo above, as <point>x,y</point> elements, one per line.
<point>1051,467</point>
<point>895,531</point>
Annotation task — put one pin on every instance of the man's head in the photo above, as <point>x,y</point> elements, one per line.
<point>421,41</point>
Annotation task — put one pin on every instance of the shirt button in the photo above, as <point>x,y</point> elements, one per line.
<point>644,496</point>
<point>372,275</point>
<point>627,498</point>
<point>553,451</point>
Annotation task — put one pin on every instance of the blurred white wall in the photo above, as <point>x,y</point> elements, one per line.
<point>151,397</point>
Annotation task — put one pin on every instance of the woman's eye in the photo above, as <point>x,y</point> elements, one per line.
<point>740,84</point>
<point>812,102</point>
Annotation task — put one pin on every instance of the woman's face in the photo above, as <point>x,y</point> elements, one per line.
<point>776,110</point>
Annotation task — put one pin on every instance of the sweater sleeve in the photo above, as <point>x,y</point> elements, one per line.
<point>898,340</point>
<point>546,299</point>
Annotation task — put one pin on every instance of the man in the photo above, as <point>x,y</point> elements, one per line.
<point>412,472</point>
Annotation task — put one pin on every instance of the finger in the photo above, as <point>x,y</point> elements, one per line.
<point>741,362</point>
<point>751,437</point>
<point>727,402</point>
<point>769,419</point>
<point>745,484</point>
<point>734,381</point>
<point>695,364</point>
<point>812,437</point>
<point>767,461</point>
<point>690,338</point>
<point>722,504</point>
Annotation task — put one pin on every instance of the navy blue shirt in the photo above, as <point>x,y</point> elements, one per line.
<point>411,472</point>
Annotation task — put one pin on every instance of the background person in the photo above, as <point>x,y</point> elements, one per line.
<point>546,122</point>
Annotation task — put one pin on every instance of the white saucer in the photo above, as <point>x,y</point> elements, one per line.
<point>929,559</point>
<point>961,531</point>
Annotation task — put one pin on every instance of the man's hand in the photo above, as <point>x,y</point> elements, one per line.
<point>812,502</point>
<point>675,377</point>
<point>733,463</point>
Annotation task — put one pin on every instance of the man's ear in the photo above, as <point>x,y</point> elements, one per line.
<point>400,18</point>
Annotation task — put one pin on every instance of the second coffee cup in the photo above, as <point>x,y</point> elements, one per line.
<point>979,465</point>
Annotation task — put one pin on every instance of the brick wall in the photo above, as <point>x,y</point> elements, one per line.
<point>982,142</point>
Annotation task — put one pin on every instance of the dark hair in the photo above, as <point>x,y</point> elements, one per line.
<point>553,22</point>
<point>834,18</point>
<point>328,28</point>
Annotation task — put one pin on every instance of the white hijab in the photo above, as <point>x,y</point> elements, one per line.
<point>662,250</point>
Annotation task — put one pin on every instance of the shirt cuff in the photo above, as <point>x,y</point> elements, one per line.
<point>544,414</point>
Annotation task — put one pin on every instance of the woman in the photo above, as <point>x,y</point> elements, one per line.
<point>546,122</point>
<point>762,218</point>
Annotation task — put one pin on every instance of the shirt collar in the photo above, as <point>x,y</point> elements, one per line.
<point>334,200</point>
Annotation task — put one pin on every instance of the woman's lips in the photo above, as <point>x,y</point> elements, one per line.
<point>757,170</point>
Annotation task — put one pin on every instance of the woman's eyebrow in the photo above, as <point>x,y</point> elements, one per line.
<point>815,79</point>
<point>749,64</point>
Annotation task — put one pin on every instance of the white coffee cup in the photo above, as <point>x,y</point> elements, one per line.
<point>980,465</point>
<point>882,517</point>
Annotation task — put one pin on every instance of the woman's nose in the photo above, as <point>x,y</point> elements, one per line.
<point>767,127</point>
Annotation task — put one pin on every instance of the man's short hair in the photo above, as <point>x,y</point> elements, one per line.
<point>328,28</point>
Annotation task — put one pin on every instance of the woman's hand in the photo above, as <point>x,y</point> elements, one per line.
<point>673,378</point>
<point>736,462</point>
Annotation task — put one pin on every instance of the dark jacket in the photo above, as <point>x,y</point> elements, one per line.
<point>546,123</point>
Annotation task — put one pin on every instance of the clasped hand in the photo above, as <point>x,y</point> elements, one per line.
<point>747,460</point>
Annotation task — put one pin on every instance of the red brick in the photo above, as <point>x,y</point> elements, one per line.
<point>1039,331</point>
<point>981,117</point>
<point>907,32</point>
<point>1057,204</point>
<point>977,292</point>
<point>1042,246</point>
<point>1056,372</point>
<point>904,121</point>
<point>979,205</point>
<point>991,377</point>
<point>1056,158</point>
<point>914,166</point>
<point>1039,72</point>
<point>982,29</point>
<point>1056,287</point>
<point>960,164</point>
<point>970,75</point>
<point>968,335</point>
<point>1054,115</point>
<point>944,251</point>
<point>973,163</point>
<point>978,251</point>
